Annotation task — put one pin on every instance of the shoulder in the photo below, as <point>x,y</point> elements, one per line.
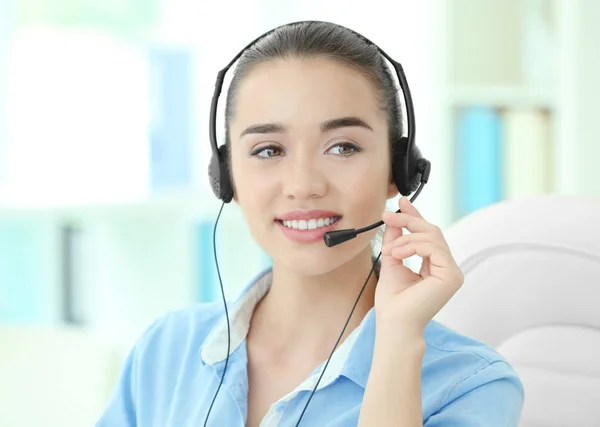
<point>180,332</point>
<point>459,370</point>
<point>180,335</point>
<point>444,342</point>
<point>168,350</point>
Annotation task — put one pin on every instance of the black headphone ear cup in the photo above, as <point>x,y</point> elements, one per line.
<point>399,166</point>
<point>414,176</point>
<point>214,176</point>
<point>404,167</point>
<point>218,173</point>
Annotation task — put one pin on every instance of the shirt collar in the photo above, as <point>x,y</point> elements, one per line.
<point>352,358</point>
<point>214,349</point>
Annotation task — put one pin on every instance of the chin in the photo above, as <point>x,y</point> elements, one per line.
<point>310,265</point>
<point>315,259</point>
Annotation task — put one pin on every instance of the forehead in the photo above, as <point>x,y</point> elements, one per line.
<point>305,91</point>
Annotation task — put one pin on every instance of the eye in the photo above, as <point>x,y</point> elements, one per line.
<point>266,152</point>
<point>344,149</point>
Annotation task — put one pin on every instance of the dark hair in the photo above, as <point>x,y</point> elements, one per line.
<point>322,39</point>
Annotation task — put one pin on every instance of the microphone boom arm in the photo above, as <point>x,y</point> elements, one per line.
<point>333,238</point>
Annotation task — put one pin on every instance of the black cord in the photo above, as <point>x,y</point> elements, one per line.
<point>415,195</point>
<point>226,315</point>
<point>339,339</point>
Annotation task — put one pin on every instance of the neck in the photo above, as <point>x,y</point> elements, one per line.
<point>303,316</point>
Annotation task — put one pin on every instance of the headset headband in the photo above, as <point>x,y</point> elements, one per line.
<point>408,103</point>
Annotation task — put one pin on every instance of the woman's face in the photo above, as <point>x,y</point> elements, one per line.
<point>309,154</point>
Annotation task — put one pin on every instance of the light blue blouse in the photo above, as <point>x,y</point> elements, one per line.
<point>170,377</point>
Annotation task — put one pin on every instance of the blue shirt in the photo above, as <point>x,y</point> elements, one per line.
<point>170,377</point>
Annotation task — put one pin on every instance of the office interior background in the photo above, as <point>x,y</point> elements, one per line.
<point>106,214</point>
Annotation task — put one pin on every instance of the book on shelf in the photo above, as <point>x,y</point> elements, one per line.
<point>27,272</point>
<point>502,154</point>
<point>239,257</point>
<point>478,153</point>
<point>75,297</point>
<point>527,153</point>
<point>206,286</point>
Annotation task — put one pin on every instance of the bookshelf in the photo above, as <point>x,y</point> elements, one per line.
<point>142,254</point>
<point>529,62</point>
<point>133,260</point>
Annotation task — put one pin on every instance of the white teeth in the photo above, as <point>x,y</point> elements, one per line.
<point>310,224</point>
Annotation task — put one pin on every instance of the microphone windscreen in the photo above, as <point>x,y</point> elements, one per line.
<point>336,237</point>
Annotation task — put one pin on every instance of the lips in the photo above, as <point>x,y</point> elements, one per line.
<point>308,220</point>
<point>307,226</point>
<point>307,215</point>
<point>310,224</point>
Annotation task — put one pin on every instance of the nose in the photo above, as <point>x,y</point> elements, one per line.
<point>304,178</point>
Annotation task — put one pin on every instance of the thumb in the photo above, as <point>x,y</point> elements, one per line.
<point>407,207</point>
<point>391,232</point>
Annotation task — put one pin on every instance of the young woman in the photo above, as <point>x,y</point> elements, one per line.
<point>312,117</point>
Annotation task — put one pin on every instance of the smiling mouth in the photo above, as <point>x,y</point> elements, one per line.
<point>309,224</point>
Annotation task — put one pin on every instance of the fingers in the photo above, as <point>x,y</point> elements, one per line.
<point>424,240</point>
<point>413,238</point>
<point>408,217</point>
<point>414,224</point>
<point>425,250</point>
<point>422,249</point>
<point>391,233</point>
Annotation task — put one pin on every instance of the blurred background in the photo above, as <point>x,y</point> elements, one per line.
<point>106,216</point>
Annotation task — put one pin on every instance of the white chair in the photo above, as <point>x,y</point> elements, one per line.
<point>532,291</point>
<point>54,376</point>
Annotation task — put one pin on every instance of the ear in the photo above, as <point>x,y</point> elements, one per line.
<point>392,190</point>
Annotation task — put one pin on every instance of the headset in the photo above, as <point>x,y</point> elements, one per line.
<point>410,171</point>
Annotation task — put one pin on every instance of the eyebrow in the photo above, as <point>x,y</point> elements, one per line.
<point>327,126</point>
<point>344,122</point>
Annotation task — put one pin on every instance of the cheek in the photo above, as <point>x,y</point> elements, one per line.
<point>366,180</point>
<point>365,193</point>
<point>253,192</point>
